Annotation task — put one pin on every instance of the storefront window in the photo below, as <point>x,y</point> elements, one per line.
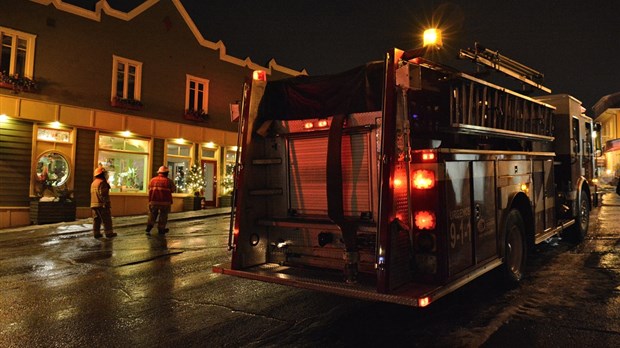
<point>179,158</point>
<point>56,135</point>
<point>52,169</point>
<point>227,180</point>
<point>126,162</point>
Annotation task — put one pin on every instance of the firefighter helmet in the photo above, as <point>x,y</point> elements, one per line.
<point>100,170</point>
<point>163,169</point>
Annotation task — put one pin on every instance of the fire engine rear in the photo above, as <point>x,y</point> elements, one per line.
<point>403,180</point>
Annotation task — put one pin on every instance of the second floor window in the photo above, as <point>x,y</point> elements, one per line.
<point>17,55</point>
<point>126,79</point>
<point>197,95</point>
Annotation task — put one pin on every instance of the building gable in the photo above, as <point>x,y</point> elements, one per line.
<point>103,6</point>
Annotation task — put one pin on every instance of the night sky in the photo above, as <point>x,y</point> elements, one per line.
<point>574,43</point>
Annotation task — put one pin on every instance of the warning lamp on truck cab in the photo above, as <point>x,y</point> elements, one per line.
<point>432,38</point>
<point>259,75</point>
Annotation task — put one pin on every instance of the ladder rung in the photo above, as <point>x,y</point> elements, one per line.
<point>264,161</point>
<point>266,192</point>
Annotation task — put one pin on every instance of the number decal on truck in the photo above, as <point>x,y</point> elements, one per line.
<point>460,227</point>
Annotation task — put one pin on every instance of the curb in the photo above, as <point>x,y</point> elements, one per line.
<point>79,226</point>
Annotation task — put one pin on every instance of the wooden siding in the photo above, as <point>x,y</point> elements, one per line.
<point>158,156</point>
<point>15,163</point>
<point>84,154</point>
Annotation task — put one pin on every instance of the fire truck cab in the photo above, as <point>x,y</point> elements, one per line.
<point>402,180</point>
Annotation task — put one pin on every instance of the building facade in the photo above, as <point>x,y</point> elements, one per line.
<point>129,91</point>
<point>607,111</point>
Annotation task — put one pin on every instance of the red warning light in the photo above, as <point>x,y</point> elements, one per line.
<point>322,123</point>
<point>259,75</point>
<point>424,301</point>
<point>308,125</point>
<point>428,156</point>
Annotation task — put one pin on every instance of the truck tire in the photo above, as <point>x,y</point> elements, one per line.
<point>515,249</point>
<point>577,232</point>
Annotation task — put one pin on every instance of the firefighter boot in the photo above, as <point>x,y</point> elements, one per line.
<point>148,229</point>
<point>163,231</point>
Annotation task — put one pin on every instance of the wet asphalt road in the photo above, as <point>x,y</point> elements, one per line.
<point>70,290</point>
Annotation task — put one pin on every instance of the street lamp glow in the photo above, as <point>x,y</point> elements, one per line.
<point>432,37</point>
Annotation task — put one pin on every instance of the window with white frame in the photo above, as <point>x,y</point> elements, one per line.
<point>126,161</point>
<point>197,94</point>
<point>17,55</point>
<point>126,78</point>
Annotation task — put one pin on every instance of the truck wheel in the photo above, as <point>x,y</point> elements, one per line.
<point>515,249</point>
<point>578,231</point>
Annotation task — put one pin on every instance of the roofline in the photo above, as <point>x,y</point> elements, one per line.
<point>102,6</point>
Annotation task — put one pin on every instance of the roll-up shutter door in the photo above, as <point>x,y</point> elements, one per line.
<point>307,174</point>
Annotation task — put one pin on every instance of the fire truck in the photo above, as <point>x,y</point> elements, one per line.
<point>405,179</point>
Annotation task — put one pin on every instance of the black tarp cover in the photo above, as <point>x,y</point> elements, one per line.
<point>302,97</point>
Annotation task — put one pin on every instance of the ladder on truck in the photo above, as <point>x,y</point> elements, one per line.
<point>477,106</point>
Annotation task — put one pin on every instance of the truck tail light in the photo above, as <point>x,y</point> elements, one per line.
<point>425,220</point>
<point>423,179</point>
<point>399,181</point>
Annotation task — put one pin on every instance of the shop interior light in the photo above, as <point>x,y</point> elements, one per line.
<point>233,148</point>
<point>126,134</point>
<point>210,145</point>
<point>55,124</point>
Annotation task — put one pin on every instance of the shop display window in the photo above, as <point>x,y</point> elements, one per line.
<point>55,135</point>
<point>126,162</point>
<point>229,171</point>
<point>52,169</point>
<point>179,159</point>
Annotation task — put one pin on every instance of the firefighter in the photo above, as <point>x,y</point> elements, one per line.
<point>100,204</point>
<point>160,200</point>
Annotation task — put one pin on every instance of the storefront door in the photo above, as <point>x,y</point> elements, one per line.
<point>209,169</point>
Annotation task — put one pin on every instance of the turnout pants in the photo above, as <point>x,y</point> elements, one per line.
<point>160,211</point>
<point>102,216</point>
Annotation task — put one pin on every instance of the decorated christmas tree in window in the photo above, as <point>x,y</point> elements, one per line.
<point>194,180</point>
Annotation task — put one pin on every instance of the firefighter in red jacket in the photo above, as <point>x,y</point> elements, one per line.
<point>100,204</point>
<point>160,200</point>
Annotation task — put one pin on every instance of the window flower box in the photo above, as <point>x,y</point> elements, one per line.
<point>196,115</point>
<point>17,83</point>
<point>128,104</point>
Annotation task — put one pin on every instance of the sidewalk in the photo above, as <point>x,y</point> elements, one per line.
<point>85,225</point>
